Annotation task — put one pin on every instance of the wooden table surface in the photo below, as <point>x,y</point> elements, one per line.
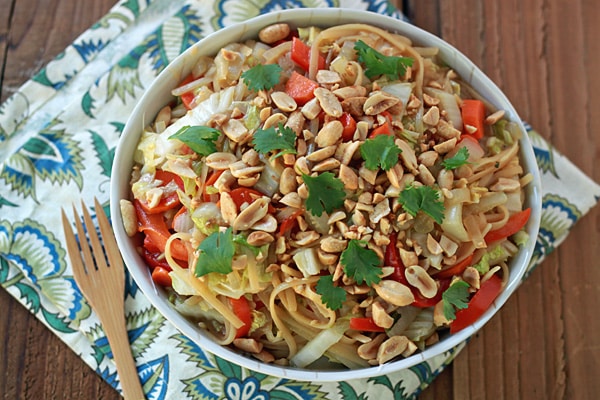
<point>545,342</point>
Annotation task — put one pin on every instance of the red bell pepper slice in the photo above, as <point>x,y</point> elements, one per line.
<point>188,97</point>
<point>515,223</point>
<point>424,302</point>
<point>153,258</point>
<point>392,259</point>
<point>241,308</point>
<point>212,178</point>
<point>167,177</point>
<point>170,201</point>
<point>385,128</point>
<point>161,277</point>
<point>349,124</point>
<point>473,114</point>
<point>479,303</point>
<point>456,269</point>
<point>157,233</point>
<point>365,324</point>
<point>289,222</point>
<point>300,54</point>
<point>166,203</point>
<point>300,88</point>
<point>243,195</point>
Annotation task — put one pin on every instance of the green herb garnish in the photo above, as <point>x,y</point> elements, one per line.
<point>379,64</point>
<point>332,296</point>
<point>456,296</point>
<point>325,193</point>
<point>422,198</point>
<point>200,139</point>
<point>361,264</point>
<point>216,254</point>
<point>458,160</point>
<point>283,138</point>
<point>262,77</point>
<point>381,151</point>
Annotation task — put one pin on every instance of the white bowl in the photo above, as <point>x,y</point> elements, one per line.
<point>159,94</point>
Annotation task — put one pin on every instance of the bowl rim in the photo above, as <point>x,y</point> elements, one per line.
<point>174,72</point>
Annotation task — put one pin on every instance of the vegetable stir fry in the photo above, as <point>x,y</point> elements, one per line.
<point>333,193</point>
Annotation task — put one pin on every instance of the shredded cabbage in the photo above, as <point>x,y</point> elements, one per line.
<point>307,261</point>
<point>453,223</point>
<point>492,257</point>
<point>316,347</point>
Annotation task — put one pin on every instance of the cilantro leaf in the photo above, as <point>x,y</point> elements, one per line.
<point>262,77</point>
<point>422,198</point>
<point>459,159</point>
<point>200,139</point>
<point>380,151</point>
<point>380,64</point>
<point>283,138</point>
<point>216,254</point>
<point>325,193</point>
<point>457,295</point>
<point>360,263</point>
<point>332,296</point>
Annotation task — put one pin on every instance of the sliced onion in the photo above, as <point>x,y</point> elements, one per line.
<point>401,90</point>
<point>316,347</point>
<point>182,222</point>
<point>448,103</point>
<point>453,223</point>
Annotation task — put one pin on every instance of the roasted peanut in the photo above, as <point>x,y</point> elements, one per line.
<point>391,348</point>
<point>273,33</point>
<point>394,292</point>
<point>129,217</point>
<point>328,102</point>
<point>420,279</point>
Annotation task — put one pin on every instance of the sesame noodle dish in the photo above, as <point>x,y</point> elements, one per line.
<point>328,195</point>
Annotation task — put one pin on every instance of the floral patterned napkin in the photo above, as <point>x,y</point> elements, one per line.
<point>58,135</point>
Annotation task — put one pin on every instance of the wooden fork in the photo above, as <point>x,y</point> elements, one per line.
<point>103,285</point>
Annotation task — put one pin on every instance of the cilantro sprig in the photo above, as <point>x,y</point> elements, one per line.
<point>283,138</point>
<point>457,160</point>
<point>332,296</point>
<point>262,77</point>
<point>360,263</point>
<point>216,254</point>
<point>379,64</point>
<point>200,139</point>
<point>381,151</point>
<point>325,193</point>
<point>456,296</point>
<point>422,198</point>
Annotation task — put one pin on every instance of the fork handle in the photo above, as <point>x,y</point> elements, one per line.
<point>116,333</point>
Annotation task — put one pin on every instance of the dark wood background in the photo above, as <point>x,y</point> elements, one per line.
<point>545,342</point>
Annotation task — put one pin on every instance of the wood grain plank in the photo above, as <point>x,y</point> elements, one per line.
<point>7,6</point>
<point>40,31</point>
<point>35,364</point>
<point>570,28</point>
<point>492,35</point>
<point>425,14</point>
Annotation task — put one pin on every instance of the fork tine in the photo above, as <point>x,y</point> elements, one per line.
<point>73,250</point>
<point>103,287</point>
<point>93,236</point>
<point>88,259</point>
<point>110,243</point>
